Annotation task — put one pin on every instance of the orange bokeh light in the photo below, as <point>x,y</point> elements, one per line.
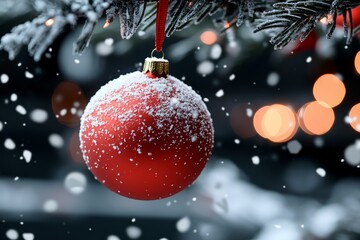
<point>271,122</point>
<point>354,116</point>
<point>288,123</point>
<point>107,24</point>
<point>327,19</point>
<point>49,22</point>
<point>315,118</point>
<point>357,62</point>
<point>277,123</point>
<point>227,25</point>
<point>257,121</point>
<point>329,90</point>
<point>208,37</point>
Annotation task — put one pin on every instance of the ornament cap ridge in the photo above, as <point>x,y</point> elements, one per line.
<point>156,66</point>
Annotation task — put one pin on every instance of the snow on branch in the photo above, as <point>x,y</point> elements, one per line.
<point>296,19</point>
<point>289,19</point>
<point>41,32</point>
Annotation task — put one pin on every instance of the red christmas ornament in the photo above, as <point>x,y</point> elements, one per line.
<point>146,137</point>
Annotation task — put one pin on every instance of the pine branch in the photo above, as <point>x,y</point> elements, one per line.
<point>184,13</point>
<point>291,19</point>
<point>296,19</point>
<point>40,33</point>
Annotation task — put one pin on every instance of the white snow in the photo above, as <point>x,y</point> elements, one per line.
<point>20,109</point>
<point>92,16</point>
<point>38,116</point>
<point>50,206</point>
<point>325,48</point>
<point>319,142</point>
<point>12,234</point>
<point>75,182</point>
<point>216,51</point>
<point>352,154</point>
<point>63,112</point>
<point>321,172</point>
<point>28,236</point>
<point>29,75</point>
<point>104,49</point>
<point>308,59</point>
<point>237,141</point>
<point>109,41</point>
<point>219,93</point>
<point>249,112</point>
<point>193,138</point>
<point>232,77</point>
<point>113,237</point>
<point>273,79</point>
<point>1,126</point>
<point>9,144</point>
<point>205,67</point>
<point>294,146</point>
<point>133,232</point>
<point>174,101</point>
<point>56,140</point>
<point>326,220</point>
<point>4,78</point>
<point>13,97</point>
<point>183,224</point>
<point>27,155</point>
<point>255,160</point>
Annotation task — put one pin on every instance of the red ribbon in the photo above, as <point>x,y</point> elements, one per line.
<point>162,8</point>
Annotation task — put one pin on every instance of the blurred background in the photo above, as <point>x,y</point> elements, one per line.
<point>257,185</point>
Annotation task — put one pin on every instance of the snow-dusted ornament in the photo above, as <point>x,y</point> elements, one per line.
<point>146,135</point>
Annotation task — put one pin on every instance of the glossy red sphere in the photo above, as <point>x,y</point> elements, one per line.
<point>146,138</point>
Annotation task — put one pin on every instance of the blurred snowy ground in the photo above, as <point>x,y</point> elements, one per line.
<point>221,204</point>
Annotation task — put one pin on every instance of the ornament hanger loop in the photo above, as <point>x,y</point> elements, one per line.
<point>161,51</point>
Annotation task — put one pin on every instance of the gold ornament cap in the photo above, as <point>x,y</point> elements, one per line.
<point>158,67</point>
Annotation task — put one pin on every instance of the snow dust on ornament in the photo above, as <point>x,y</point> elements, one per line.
<point>146,135</point>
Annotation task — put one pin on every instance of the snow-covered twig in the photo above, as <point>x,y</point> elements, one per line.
<point>296,19</point>
<point>41,32</point>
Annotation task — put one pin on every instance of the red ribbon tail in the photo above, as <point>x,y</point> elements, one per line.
<point>162,8</point>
